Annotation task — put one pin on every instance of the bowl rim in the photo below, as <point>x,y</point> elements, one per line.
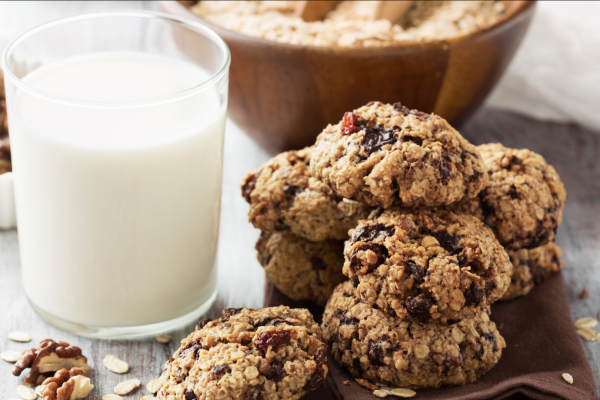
<point>524,5</point>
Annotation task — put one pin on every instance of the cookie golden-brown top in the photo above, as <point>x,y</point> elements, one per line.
<point>523,199</point>
<point>428,266</point>
<point>400,352</point>
<point>283,196</point>
<point>383,154</point>
<point>251,354</point>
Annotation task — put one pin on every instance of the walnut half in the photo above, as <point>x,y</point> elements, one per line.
<point>51,356</point>
<point>67,385</point>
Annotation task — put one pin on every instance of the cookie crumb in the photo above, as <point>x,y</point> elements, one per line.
<point>568,378</point>
<point>380,393</point>
<point>584,294</point>
<point>346,383</point>
<point>367,384</point>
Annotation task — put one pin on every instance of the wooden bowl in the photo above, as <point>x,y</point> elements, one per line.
<point>283,95</point>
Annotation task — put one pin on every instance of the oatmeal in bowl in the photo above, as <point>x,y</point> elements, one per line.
<point>289,78</point>
<point>350,23</point>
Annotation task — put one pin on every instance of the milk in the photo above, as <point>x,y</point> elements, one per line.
<point>118,198</point>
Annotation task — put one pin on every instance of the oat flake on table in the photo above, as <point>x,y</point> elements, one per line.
<point>111,397</point>
<point>127,386</point>
<point>348,24</point>
<point>115,365</point>
<point>39,389</point>
<point>10,356</point>
<point>153,386</point>
<point>19,337</point>
<point>588,322</point>
<point>26,393</point>
<point>588,334</point>
<point>163,338</point>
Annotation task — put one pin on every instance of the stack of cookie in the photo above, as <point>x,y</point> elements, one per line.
<point>522,203</point>
<point>303,225</point>
<point>428,217</point>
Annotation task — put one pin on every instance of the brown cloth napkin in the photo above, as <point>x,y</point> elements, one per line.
<point>541,344</point>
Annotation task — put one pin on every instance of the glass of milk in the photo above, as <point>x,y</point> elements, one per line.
<point>116,123</point>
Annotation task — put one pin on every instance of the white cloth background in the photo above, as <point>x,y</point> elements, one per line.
<point>555,74</point>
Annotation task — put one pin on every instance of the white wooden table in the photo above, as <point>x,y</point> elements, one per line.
<point>575,153</point>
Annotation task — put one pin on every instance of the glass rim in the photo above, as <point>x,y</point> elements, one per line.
<point>195,26</point>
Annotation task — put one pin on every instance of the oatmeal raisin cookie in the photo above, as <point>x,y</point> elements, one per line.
<point>531,268</point>
<point>428,266</point>
<point>284,197</point>
<point>273,353</point>
<point>383,154</point>
<point>299,268</point>
<point>400,352</point>
<point>523,200</point>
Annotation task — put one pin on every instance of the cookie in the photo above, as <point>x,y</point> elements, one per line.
<point>381,348</point>
<point>523,199</point>
<point>299,268</point>
<point>382,154</point>
<point>271,353</point>
<point>283,196</point>
<point>428,266</point>
<point>531,268</point>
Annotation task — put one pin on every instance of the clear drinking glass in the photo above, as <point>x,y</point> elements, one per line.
<point>116,122</point>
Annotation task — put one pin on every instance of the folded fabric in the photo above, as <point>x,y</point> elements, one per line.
<point>541,345</point>
<point>555,73</point>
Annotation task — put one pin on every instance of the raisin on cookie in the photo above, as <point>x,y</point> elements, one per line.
<point>531,268</point>
<point>428,266</point>
<point>399,352</point>
<point>274,352</point>
<point>383,154</point>
<point>283,196</point>
<point>299,268</point>
<point>523,200</point>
